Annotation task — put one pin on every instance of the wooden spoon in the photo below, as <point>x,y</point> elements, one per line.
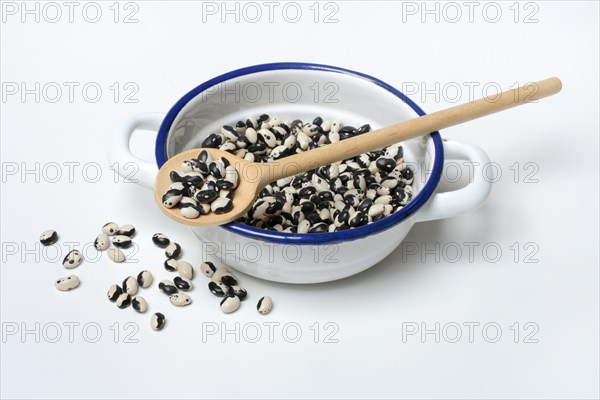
<point>253,177</point>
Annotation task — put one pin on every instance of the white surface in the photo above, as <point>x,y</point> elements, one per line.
<point>169,51</point>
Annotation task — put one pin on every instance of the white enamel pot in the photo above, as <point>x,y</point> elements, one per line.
<point>298,90</point>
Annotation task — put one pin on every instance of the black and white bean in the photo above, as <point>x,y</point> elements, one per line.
<point>144,279</point>
<point>239,291</point>
<point>173,250</point>
<point>208,269</point>
<point>180,299</point>
<point>67,283</point>
<point>73,259</point>
<point>218,289</point>
<point>110,228</point>
<point>122,241</point>
<point>102,242</point>
<point>160,240</point>
<point>171,265</point>
<point>130,285</point>
<point>126,230</point>
<point>124,300</point>
<point>264,306</point>
<point>172,198</point>
<point>49,237</point>
<point>228,279</point>
<point>116,255</point>
<point>114,292</point>
<point>167,287</point>
<point>157,321</point>
<point>230,304</point>
<point>182,283</point>
<point>185,270</point>
<point>221,205</point>
<point>139,304</point>
<point>220,272</point>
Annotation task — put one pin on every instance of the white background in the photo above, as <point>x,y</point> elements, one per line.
<point>170,50</point>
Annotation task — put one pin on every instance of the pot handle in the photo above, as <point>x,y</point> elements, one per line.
<point>120,157</point>
<point>472,196</point>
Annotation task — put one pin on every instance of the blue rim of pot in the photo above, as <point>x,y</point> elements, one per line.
<point>311,238</point>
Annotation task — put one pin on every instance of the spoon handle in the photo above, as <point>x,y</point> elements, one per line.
<point>410,129</point>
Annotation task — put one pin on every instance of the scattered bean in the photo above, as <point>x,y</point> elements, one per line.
<point>126,230</point>
<point>73,259</point>
<point>115,255</point>
<point>67,283</point>
<point>157,321</point>
<point>264,306</point>
<point>218,289</point>
<point>139,304</point>
<point>182,283</point>
<point>160,240</point>
<point>130,285</point>
<point>102,242</point>
<point>229,279</point>
<point>114,292</point>
<point>173,250</point>
<point>180,299</point>
<point>239,291</point>
<point>220,272</point>
<point>185,270</point>
<point>230,303</point>
<point>122,241</point>
<point>124,300</point>
<point>171,264</point>
<point>223,282</point>
<point>208,268</point>
<point>167,287</point>
<point>48,237</point>
<point>110,228</point>
<point>144,279</point>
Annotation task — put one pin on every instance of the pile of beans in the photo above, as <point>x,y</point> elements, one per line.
<point>223,282</point>
<point>121,239</point>
<point>121,295</point>
<point>336,197</point>
<point>72,260</point>
<point>202,186</point>
<point>125,295</point>
<point>182,282</point>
